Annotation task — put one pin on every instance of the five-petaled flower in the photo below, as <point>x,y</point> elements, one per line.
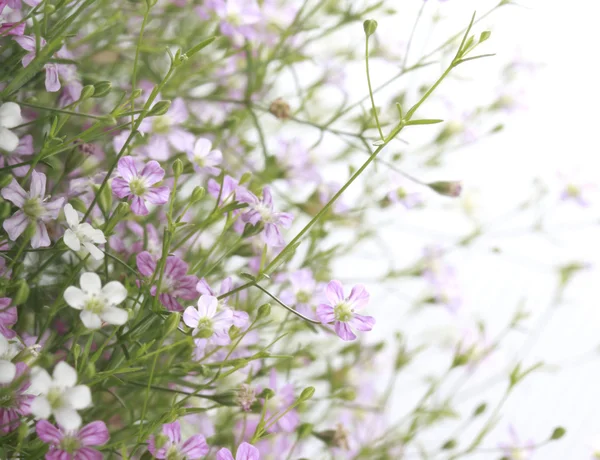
<point>59,395</point>
<point>245,452</point>
<point>78,235</point>
<point>70,444</point>
<point>33,209</point>
<point>204,158</point>
<point>207,322</point>
<point>262,210</point>
<point>97,303</point>
<point>341,310</point>
<point>139,184</point>
<point>169,446</point>
<point>174,282</point>
<point>10,117</point>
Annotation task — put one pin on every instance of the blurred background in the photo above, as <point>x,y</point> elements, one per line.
<point>523,235</point>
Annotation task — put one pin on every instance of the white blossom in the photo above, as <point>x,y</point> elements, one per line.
<point>97,303</point>
<point>10,116</point>
<point>82,235</point>
<point>7,369</point>
<point>59,396</point>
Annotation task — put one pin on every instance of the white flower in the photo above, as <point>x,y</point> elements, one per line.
<point>10,116</point>
<point>59,395</point>
<point>97,303</point>
<point>7,369</point>
<point>85,235</point>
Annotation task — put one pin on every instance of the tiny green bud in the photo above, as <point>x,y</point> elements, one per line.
<point>86,92</point>
<point>136,93</point>
<point>449,444</point>
<point>446,188</point>
<point>102,88</point>
<point>105,199</point>
<point>23,432</point>
<point>198,194</point>
<point>346,393</point>
<point>160,108</point>
<point>307,393</point>
<point>76,351</point>
<point>264,310</point>
<point>21,293</point>
<point>122,208</point>
<point>177,167</point>
<point>245,178</point>
<point>479,409</point>
<point>370,26</point>
<point>558,433</point>
<point>460,360</point>
<point>267,393</point>
<point>90,370</point>
<point>484,36</point>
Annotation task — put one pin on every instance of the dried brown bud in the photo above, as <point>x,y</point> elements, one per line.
<point>280,109</point>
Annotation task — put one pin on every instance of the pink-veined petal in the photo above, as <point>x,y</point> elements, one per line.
<point>93,434</point>
<point>343,331</point>
<point>334,292</point>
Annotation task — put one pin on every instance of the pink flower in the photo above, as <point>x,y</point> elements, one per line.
<point>245,452</point>
<point>139,184</point>
<point>204,158</point>
<point>517,449</point>
<point>15,402</point>
<point>28,43</point>
<point>239,18</point>
<point>16,4</point>
<point>192,449</point>
<point>226,192</point>
<point>33,209</point>
<point>240,318</point>
<point>175,282</point>
<point>207,322</point>
<point>340,310</point>
<point>73,445</point>
<point>262,210</point>
<point>278,405</point>
<point>8,317</point>
<point>24,148</point>
<point>165,132</point>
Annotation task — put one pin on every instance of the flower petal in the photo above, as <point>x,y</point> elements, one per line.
<point>93,434</point>
<point>138,206</point>
<point>334,292</point>
<point>172,431</point>
<point>48,432</point>
<point>325,313</point>
<point>10,115</point>
<point>64,375</point>
<point>343,331</point>
<point>152,172</point>
<point>40,239</point>
<point>8,140</point>
<point>195,447</point>
<point>157,195</point>
<point>115,316</point>
<point>120,187</point>
<point>38,185</point>
<point>79,397</point>
<point>14,192</point>
<point>16,225</point>
<point>359,297</point>
<point>191,317</point>
<point>71,215</point>
<point>362,323</point>
<point>67,418</point>
<point>224,454</point>
<point>96,253</point>
<point>114,293</point>
<point>40,380</point>
<point>7,371</point>
<point>127,169</point>
<point>90,283</point>
<point>145,263</point>
<point>207,306</point>
<point>90,320</point>
<point>247,452</point>
<point>71,240</point>
<point>75,297</point>
<point>40,407</point>
<point>52,81</point>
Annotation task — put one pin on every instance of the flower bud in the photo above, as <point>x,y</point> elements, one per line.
<point>280,109</point>
<point>307,393</point>
<point>449,444</point>
<point>267,393</point>
<point>21,292</point>
<point>304,430</point>
<point>479,410</point>
<point>264,310</point>
<point>102,88</point>
<point>177,167</point>
<point>105,199</point>
<point>558,433</point>
<point>86,92</point>
<point>136,93</point>
<point>198,194</point>
<point>170,325</point>
<point>370,26</point>
<point>160,108</point>
<point>446,188</point>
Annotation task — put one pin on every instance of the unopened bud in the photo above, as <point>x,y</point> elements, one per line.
<point>102,88</point>
<point>307,393</point>
<point>447,188</point>
<point>558,433</point>
<point>160,108</point>
<point>246,396</point>
<point>21,293</point>
<point>370,26</point>
<point>198,194</point>
<point>87,92</point>
<point>177,167</point>
<point>280,109</point>
<point>264,310</point>
<point>267,393</point>
<point>171,323</point>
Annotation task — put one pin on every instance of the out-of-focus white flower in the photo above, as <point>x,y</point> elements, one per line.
<point>7,369</point>
<point>10,116</point>
<point>59,396</point>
